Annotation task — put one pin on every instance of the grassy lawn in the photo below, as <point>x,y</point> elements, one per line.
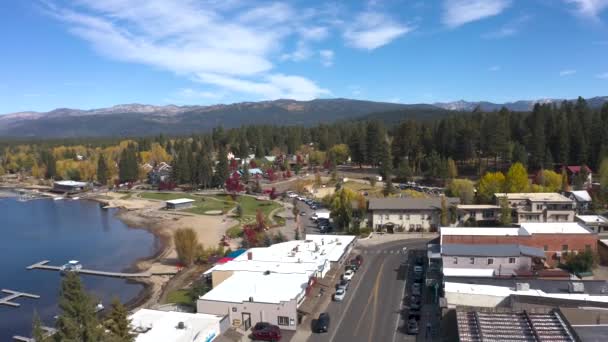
<point>165,196</point>
<point>179,297</point>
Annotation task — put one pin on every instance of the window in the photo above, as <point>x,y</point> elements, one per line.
<point>282,320</point>
<point>386,216</point>
<point>565,248</point>
<point>407,217</point>
<point>455,261</point>
<point>412,226</point>
<point>490,261</point>
<point>546,248</point>
<point>419,226</point>
<point>428,217</point>
<point>511,260</point>
<point>539,207</point>
<point>401,216</point>
<point>471,261</point>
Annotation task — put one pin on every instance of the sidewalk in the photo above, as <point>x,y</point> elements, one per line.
<point>377,239</point>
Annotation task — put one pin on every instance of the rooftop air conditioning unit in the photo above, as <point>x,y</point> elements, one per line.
<point>181,326</point>
<point>251,299</point>
<point>522,286</point>
<point>576,287</point>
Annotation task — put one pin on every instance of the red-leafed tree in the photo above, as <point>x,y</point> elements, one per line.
<point>271,175</point>
<point>273,193</point>
<point>253,164</point>
<point>233,165</point>
<point>288,174</point>
<point>233,184</point>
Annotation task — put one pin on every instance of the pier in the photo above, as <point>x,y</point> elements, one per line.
<point>14,295</point>
<point>42,265</point>
<point>48,332</point>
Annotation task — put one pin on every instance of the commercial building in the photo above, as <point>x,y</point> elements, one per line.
<point>478,213</point>
<point>171,326</point>
<point>69,186</point>
<point>268,284</point>
<point>495,259</point>
<point>180,203</point>
<point>555,239</point>
<point>539,207</point>
<point>407,214</point>
<point>596,223</point>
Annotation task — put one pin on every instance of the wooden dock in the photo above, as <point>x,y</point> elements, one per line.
<point>48,332</point>
<point>42,265</point>
<point>14,295</point>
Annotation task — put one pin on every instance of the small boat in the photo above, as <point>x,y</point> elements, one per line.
<point>58,198</point>
<point>71,266</point>
<point>75,198</point>
<point>99,307</point>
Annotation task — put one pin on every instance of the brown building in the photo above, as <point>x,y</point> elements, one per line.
<point>555,239</point>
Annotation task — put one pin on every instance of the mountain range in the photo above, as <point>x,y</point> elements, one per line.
<point>139,119</point>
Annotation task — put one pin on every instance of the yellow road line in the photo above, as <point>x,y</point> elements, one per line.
<point>372,297</point>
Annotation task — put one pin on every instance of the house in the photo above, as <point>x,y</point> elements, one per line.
<point>269,284</point>
<point>539,207</point>
<point>482,214</point>
<point>407,214</point>
<point>179,203</point>
<point>582,200</point>
<point>171,326</point>
<point>69,186</point>
<point>574,171</point>
<point>500,259</point>
<point>555,239</point>
<point>160,173</point>
<point>596,223</point>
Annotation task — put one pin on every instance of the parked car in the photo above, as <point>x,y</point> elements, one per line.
<point>412,327</point>
<point>339,295</point>
<point>322,323</point>
<point>419,261</point>
<point>354,264</point>
<point>348,275</point>
<point>343,284</point>
<point>416,289</point>
<point>418,269</point>
<point>266,332</point>
<point>359,259</point>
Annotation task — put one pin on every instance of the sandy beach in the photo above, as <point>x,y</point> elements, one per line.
<point>150,215</point>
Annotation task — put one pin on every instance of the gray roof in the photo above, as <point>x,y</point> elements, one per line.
<point>491,250</point>
<point>409,203</point>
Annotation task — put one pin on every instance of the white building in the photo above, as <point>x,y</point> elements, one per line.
<point>480,213</point>
<point>408,214</point>
<point>596,223</point>
<point>268,284</point>
<point>172,326</point>
<point>539,207</point>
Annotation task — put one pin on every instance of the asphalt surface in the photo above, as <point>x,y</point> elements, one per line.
<point>372,308</point>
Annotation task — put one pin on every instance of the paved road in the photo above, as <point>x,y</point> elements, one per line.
<point>372,309</point>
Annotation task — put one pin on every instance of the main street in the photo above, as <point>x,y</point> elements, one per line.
<point>372,308</point>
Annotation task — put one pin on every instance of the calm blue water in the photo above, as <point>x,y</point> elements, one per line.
<point>59,231</point>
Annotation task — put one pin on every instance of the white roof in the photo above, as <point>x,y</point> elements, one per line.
<point>180,201</point>
<point>477,206</point>
<point>308,268</point>
<point>502,291</point>
<point>555,228</point>
<point>582,195</point>
<point>71,183</point>
<point>592,218</point>
<point>535,196</point>
<point>163,326</point>
<point>494,231</point>
<point>263,288</point>
<point>468,272</point>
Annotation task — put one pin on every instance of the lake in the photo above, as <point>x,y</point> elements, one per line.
<point>59,231</point>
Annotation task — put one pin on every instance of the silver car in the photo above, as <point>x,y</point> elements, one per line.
<point>339,295</point>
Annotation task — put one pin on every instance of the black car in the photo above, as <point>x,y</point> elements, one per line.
<point>419,261</point>
<point>322,323</point>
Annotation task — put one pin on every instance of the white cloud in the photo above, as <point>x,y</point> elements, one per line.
<point>460,12</point>
<point>302,52</point>
<point>234,42</point>
<point>509,29</point>
<point>494,68</point>
<point>327,57</point>
<point>589,8</point>
<point>371,30</point>
<point>567,72</point>
<point>603,76</point>
<point>192,94</point>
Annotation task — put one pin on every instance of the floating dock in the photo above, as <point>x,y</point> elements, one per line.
<point>14,295</point>
<point>42,265</point>
<point>48,332</point>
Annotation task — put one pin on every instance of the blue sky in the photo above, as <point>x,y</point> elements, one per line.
<point>91,54</point>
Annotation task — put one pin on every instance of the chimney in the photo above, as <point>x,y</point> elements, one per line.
<point>249,255</point>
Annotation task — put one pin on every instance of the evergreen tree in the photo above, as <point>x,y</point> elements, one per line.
<point>221,168</point>
<point>404,171</point>
<point>49,162</point>
<point>118,323</point>
<point>102,170</point>
<point>386,169</point>
<point>37,331</point>
<point>246,176</point>
<point>444,212</point>
<point>505,212</point>
<point>77,320</point>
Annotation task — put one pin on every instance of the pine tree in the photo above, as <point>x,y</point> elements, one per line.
<point>77,320</point>
<point>102,170</point>
<point>51,167</point>
<point>221,169</point>
<point>37,331</point>
<point>118,323</point>
<point>444,212</point>
<point>505,212</point>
